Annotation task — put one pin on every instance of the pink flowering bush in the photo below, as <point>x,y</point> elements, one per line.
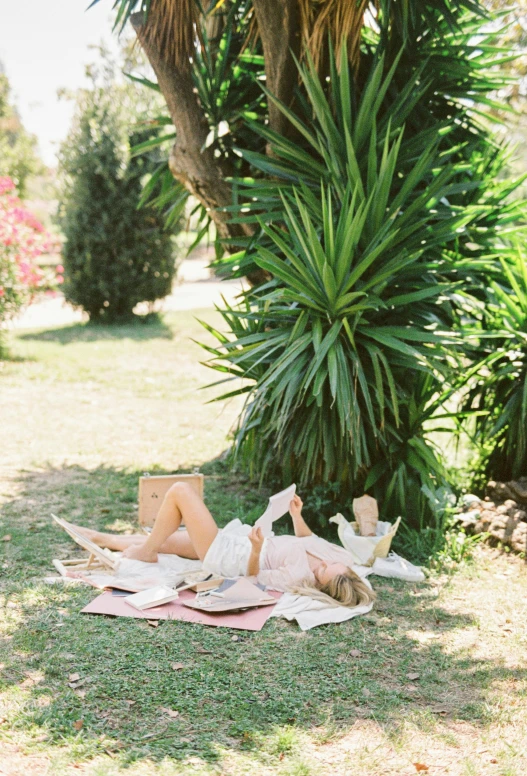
<point>22,240</point>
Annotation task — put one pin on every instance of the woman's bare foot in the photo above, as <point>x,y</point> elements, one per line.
<point>95,536</point>
<point>138,552</point>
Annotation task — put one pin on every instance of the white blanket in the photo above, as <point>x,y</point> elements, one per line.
<point>307,612</point>
<point>171,569</point>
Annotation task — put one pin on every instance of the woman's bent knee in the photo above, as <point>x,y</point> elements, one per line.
<point>179,490</point>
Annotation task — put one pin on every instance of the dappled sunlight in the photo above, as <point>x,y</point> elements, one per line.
<point>427,672</point>
<point>422,637</point>
<point>406,698</point>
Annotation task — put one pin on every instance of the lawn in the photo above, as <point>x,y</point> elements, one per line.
<point>435,677</point>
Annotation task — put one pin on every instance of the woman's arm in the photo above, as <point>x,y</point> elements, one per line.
<point>299,524</point>
<point>257,539</point>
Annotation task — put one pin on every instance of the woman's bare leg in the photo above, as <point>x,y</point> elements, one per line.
<point>181,503</point>
<point>177,544</point>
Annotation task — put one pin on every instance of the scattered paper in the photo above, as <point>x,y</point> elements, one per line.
<point>278,506</point>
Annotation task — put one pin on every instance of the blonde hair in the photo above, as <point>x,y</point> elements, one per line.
<point>343,590</point>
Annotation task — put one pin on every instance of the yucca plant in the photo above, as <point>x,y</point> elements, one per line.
<point>498,396</point>
<point>361,192</point>
<point>347,347</point>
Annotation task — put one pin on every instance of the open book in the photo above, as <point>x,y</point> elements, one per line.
<point>231,597</point>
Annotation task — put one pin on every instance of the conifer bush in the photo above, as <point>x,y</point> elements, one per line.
<point>116,254</point>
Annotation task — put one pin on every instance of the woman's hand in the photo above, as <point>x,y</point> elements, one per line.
<point>295,507</point>
<point>299,524</point>
<point>256,538</point>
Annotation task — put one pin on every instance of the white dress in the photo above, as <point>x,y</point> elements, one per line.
<point>228,555</point>
<point>283,559</point>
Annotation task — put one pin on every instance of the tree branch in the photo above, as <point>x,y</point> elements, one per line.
<point>199,171</point>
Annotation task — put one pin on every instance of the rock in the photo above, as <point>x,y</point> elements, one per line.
<point>519,489</point>
<point>519,538</point>
<point>486,518</point>
<point>502,514</point>
<point>502,528</point>
<point>469,520</point>
<point>497,524</point>
<point>499,491</point>
<point>509,508</point>
<point>471,501</point>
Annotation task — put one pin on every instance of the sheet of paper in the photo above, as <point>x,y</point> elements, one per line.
<point>277,508</point>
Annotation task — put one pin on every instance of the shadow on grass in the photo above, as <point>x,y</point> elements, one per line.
<point>227,694</point>
<point>7,355</point>
<point>154,328</point>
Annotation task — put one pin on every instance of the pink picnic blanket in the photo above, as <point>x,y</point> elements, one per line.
<point>116,606</point>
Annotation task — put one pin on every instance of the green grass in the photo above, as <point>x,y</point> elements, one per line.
<point>85,410</point>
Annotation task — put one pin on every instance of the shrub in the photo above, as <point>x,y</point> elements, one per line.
<point>22,240</point>
<point>354,344</point>
<point>498,395</point>
<point>115,254</point>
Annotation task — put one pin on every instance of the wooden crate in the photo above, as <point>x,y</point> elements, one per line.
<point>152,491</point>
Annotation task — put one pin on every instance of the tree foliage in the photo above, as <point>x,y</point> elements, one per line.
<point>18,154</point>
<point>367,201</point>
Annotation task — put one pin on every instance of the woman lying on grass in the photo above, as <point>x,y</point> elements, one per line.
<point>304,563</point>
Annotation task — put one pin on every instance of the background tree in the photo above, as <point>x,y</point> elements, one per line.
<point>18,153</point>
<point>114,255</point>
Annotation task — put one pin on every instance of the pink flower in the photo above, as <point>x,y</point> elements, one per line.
<point>60,269</point>
<point>22,240</point>
<point>59,279</point>
<point>6,184</point>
